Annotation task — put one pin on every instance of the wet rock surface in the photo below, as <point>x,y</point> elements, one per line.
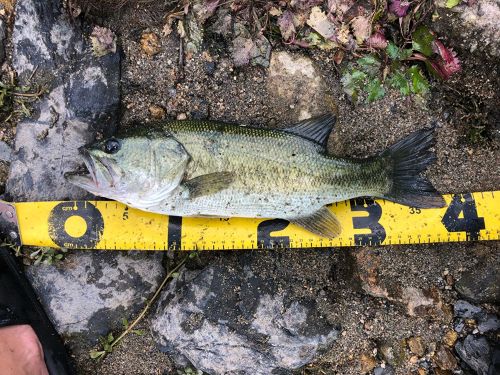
<point>88,293</point>
<point>481,284</point>
<point>81,103</point>
<point>229,318</point>
<point>476,352</point>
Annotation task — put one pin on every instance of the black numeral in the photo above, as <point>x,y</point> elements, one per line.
<point>377,235</point>
<point>264,230</point>
<point>174,232</point>
<point>469,222</point>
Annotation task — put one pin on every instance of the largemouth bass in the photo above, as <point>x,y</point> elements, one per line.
<point>203,168</point>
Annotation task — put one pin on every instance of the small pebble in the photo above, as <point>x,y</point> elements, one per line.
<point>416,345</point>
<point>450,338</point>
<point>444,358</point>
<point>157,112</point>
<point>150,44</point>
<point>367,363</point>
<point>181,116</point>
<point>209,67</point>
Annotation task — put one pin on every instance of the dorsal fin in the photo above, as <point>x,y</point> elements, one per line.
<point>316,129</point>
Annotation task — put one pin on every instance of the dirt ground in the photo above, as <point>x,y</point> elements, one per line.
<point>210,87</point>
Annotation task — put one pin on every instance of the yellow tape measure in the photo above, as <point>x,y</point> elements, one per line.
<point>109,225</point>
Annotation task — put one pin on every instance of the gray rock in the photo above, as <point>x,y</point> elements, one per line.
<point>489,323</point>
<point>481,284</point>
<point>83,100</point>
<point>465,310</point>
<point>5,151</point>
<point>485,322</point>
<point>88,293</point>
<point>476,353</point>
<point>229,319</point>
<point>387,370</point>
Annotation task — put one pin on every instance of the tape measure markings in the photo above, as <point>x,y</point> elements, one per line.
<point>467,217</point>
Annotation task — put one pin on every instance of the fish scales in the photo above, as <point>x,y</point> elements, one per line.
<point>275,172</point>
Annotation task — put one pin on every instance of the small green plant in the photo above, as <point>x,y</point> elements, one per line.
<point>107,343</point>
<point>47,255</point>
<point>14,99</point>
<point>126,326</point>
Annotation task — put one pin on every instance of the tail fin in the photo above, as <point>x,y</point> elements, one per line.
<point>409,158</point>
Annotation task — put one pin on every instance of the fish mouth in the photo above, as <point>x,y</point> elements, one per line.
<point>96,175</point>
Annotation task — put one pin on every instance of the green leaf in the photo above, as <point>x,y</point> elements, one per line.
<point>125,323</point>
<point>399,81</point>
<point>405,53</point>
<point>452,3</point>
<point>420,85</point>
<point>422,40</point>
<point>375,90</point>
<point>59,256</point>
<point>369,64</point>
<point>352,82</point>
<point>392,51</point>
<point>107,348</point>
<point>95,354</point>
<point>138,332</point>
<point>110,337</point>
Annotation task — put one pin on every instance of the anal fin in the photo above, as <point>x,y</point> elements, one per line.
<point>208,184</point>
<point>322,222</point>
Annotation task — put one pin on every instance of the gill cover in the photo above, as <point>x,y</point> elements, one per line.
<point>140,171</point>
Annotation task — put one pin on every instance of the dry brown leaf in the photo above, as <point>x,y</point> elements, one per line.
<point>343,34</point>
<point>362,28</point>
<point>275,11</point>
<point>320,23</point>
<point>339,7</point>
<point>180,29</point>
<point>150,44</point>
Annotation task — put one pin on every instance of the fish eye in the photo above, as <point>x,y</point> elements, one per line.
<point>112,146</point>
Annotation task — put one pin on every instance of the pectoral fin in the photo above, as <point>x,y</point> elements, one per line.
<point>322,222</point>
<point>208,183</point>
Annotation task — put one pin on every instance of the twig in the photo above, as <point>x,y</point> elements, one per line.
<point>147,307</point>
<point>29,95</point>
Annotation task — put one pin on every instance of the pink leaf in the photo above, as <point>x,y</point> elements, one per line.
<point>205,10</point>
<point>285,23</point>
<point>305,4</point>
<point>399,7</point>
<point>103,41</point>
<point>377,40</point>
<point>447,62</point>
